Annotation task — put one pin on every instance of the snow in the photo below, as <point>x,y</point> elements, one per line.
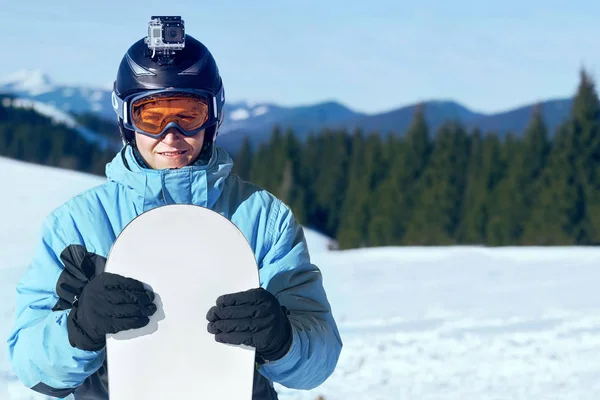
<point>37,85</point>
<point>23,212</point>
<point>96,96</point>
<point>239,114</point>
<point>58,117</point>
<point>33,82</point>
<point>260,110</point>
<point>417,323</point>
<point>463,323</point>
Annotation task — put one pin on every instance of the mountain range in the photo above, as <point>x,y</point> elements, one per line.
<point>256,120</point>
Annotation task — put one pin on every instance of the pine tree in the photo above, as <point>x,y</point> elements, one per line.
<point>559,206</point>
<point>355,209</point>
<point>472,225</point>
<point>386,224</point>
<point>268,163</point>
<point>308,171</point>
<point>531,163</point>
<point>585,127</point>
<point>243,161</point>
<point>515,195</point>
<point>436,216</point>
<point>330,179</point>
<point>6,137</point>
<point>397,194</point>
<point>291,189</point>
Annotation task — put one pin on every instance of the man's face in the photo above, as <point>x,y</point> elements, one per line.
<point>173,150</point>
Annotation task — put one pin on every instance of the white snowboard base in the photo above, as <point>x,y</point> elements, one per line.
<point>188,255</point>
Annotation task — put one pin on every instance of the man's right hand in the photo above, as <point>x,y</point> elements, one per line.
<point>109,303</point>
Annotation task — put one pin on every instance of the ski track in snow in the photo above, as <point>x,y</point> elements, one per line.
<point>462,323</point>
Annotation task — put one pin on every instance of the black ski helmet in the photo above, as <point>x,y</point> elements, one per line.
<point>192,67</point>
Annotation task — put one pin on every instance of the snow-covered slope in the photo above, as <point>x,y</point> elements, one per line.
<point>459,323</point>
<point>464,323</point>
<point>34,192</point>
<point>57,117</point>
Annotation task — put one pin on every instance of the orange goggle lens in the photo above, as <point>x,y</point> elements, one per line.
<point>151,114</point>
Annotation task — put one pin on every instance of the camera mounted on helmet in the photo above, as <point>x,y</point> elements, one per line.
<point>166,36</point>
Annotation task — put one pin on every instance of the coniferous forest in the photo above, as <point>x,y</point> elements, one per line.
<point>28,136</point>
<point>447,187</point>
<point>451,186</point>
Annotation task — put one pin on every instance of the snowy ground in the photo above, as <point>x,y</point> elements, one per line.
<point>464,323</point>
<point>29,194</point>
<point>417,323</point>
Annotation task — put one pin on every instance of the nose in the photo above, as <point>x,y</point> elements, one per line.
<point>172,135</point>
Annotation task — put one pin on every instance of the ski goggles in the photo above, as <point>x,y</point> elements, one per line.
<point>152,113</point>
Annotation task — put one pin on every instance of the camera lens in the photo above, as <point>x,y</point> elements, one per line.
<point>173,34</point>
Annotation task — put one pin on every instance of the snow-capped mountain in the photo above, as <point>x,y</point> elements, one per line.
<point>38,86</point>
<point>245,110</point>
<point>256,120</point>
<point>250,118</point>
<point>262,116</point>
<point>33,82</point>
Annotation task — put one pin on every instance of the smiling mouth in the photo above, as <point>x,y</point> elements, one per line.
<point>172,153</point>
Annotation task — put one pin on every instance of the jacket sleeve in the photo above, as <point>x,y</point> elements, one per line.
<point>39,350</point>
<point>287,272</point>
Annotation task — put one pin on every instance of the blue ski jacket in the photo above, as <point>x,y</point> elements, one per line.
<point>85,227</point>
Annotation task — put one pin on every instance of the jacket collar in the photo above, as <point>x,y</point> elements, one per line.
<point>197,184</point>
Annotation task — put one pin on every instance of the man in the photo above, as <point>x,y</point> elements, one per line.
<point>170,107</point>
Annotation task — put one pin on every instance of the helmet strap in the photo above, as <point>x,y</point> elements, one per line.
<point>127,135</point>
<point>138,157</point>
<point>207,147</point>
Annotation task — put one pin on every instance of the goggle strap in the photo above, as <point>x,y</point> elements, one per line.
<point>119,106</point>
<point>219,100</point>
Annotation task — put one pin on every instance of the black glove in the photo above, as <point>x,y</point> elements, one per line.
<point>252,318</point>
<point>109,303</point>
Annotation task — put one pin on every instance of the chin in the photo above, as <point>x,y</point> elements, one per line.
<point>174,165</point>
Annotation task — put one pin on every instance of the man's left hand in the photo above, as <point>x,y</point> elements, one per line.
<point>252,318</point>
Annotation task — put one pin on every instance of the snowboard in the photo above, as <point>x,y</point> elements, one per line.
<point>189,256</point>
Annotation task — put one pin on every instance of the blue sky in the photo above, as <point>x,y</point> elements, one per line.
<point>371,55</point>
